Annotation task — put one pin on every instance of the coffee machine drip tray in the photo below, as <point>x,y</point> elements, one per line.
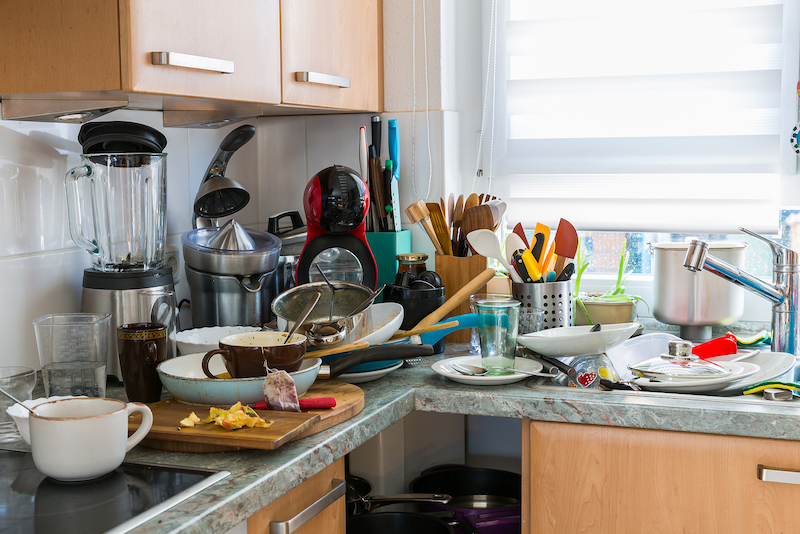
<point>115,503</point>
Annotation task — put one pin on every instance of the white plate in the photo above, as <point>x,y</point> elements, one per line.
<point>577,340</point>
<point>445,368</point>
<point>739,370</point>
<point>368,376</point>
<point>773,366</point>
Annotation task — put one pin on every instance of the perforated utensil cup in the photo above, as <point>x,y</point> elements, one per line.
<point>555,298</point>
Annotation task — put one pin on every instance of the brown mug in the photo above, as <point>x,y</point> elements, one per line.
<point>248,354</point>
<point>142,346</point>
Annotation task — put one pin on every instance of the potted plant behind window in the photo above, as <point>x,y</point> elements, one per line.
<point>613,306</point>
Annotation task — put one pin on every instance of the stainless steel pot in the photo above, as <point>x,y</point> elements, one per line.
<point>329,323</point>
<point>695,301</point>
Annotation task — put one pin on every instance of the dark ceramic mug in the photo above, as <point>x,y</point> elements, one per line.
<point>248,354</point>
<point>142,346</point>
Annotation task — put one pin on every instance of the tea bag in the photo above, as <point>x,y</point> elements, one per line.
<point>280,391</point>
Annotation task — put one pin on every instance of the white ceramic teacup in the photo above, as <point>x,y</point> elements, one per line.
<point>84,438</point>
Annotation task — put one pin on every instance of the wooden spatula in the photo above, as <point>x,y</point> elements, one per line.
<point>440,227</point>
<point>475,218</point>
<point>566,244</point>
<point>418,213</point>
<point>455,223</point>
<point>472,200</point>
<point>451,205</point>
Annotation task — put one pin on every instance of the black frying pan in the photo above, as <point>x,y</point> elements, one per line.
<point>359,501</point>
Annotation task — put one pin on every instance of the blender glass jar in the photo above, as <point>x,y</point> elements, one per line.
<point>117,209</point>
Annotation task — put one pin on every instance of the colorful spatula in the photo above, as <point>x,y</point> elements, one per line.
<point>566,244</point>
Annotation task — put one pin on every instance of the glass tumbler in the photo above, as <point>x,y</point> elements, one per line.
<point>498,323</point>
<point>19,383</point>
<point>474,341</point>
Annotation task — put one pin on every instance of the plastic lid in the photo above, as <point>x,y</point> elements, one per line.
<point>120,137</point>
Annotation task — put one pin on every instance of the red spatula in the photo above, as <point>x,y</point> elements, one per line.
<point>521,232</point>
<point>566,244</point>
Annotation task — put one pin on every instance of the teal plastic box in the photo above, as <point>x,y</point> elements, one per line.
<point>385,247</point>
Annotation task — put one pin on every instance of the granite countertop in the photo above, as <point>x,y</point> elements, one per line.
<point>259,477</point>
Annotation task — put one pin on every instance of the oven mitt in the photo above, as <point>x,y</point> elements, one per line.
<point>761,386</point>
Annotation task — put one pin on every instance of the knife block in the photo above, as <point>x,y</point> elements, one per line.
<point>456,272</point>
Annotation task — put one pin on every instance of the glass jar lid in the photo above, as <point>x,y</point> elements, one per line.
<point>678,364</point>
<point>411,257</point>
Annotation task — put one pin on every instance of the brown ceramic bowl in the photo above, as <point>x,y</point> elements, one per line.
<point>248,354</point>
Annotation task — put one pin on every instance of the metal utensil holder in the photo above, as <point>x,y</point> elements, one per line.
<point>555,298</point>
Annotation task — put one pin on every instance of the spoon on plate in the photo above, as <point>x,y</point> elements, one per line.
<point>477,370</point>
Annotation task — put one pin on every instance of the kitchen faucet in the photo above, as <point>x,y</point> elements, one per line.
<point>782,292</point>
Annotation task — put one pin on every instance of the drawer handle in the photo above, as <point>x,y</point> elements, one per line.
<point>783,476</point>
<point>324,79</point>
<point>287,527</point>
<point>176,59</point>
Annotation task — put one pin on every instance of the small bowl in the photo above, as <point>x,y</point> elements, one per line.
<point>183,378</point>
<point>207,338</point>
<point>577,340</point>
<point>20,414</point>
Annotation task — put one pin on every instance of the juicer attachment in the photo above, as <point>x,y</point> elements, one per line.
<point>220,196</point>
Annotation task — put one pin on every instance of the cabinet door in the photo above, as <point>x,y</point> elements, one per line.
<point>583,478</point>
<point>332,44</point>
<point>330,519</point>
<point>207,37</point>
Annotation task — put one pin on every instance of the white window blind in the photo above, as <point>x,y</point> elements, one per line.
<point>645,116</point>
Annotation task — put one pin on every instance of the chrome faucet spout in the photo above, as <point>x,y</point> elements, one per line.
<point>782,292</point>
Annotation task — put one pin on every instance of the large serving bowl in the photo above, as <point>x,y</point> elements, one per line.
<point>207,338</point>
<point>184,379</point>
<point>577,340</point>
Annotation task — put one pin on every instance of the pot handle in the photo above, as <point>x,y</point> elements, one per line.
<point>382,500</point>
<point>291,525</point>
<point>75,207</point>
<point>207,358</point>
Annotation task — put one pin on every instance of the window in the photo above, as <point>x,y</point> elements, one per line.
<point>624,115</point>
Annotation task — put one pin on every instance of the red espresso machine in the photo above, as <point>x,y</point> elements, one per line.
<point>336,203</point>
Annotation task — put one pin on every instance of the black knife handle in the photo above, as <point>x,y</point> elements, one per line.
<point>376,134</point>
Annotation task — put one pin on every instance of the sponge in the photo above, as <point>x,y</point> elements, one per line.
<point>761,386</point>
<point>759,337</point>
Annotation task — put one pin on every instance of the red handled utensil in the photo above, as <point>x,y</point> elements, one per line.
<point>566,244</point>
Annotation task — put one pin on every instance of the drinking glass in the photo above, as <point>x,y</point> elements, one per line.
<point>498,323</point>
<point>474,341</point>
<point>19,382</point>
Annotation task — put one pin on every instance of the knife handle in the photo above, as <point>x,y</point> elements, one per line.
<point>520,266</point>
<point>376,134</point>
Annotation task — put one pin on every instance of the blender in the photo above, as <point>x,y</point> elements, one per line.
<point>117,200</point>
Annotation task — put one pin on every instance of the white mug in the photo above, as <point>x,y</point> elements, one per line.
<point>84,438</point>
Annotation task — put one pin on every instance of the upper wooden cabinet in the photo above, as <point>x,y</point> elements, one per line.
<point>337,46</point>
<point>203,55</point>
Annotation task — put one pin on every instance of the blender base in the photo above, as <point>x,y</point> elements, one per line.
<point>695,333</point>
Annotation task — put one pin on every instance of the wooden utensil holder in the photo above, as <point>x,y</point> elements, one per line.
<point>456,272</point>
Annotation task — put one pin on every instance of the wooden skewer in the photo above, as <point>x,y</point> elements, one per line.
<point>337,349</point>
<point>418,331</point>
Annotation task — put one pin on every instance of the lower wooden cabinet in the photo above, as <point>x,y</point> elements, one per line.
<point>598,479</point>
<point>310,500</point>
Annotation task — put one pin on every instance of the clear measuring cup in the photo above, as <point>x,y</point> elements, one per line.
<point>73,352</point>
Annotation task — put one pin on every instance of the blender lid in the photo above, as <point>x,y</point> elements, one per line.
<point>120,137</point>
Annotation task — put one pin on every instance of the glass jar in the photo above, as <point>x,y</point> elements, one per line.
<point>414,262</point>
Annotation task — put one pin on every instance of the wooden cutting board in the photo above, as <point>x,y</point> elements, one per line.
<point>167,435</point>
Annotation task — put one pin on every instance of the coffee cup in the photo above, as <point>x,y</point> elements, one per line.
<point>142,346</point>
<point>84,438</point>
<point>248,355</point>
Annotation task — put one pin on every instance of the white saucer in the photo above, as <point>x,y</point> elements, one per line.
<point>739,370</point>
<point>368,376</point>
<point>444,368</point>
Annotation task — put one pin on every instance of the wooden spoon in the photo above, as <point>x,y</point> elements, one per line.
<point>455,223</point>
<point>475,218</point>
<point>460,296</point>
<point>418,213</point>
<point>472,200</point>
<point>440,227</point>
<point>451,204</point>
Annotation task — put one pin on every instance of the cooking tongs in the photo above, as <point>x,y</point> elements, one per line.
<point>220,196</point>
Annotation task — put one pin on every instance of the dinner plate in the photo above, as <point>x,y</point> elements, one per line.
<point>739,370</point>
<point>368,376</point>
<point>773,366</point>
<point>445,368</point>
<point>577,340</point>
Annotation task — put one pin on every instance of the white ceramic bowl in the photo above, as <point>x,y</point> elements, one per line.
<point>184,379</point>
<point>577,340</point>
<point>20,414</point>
<point>206,338</point>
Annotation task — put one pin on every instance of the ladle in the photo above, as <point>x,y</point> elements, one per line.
<point>10,396</point>
<point>303,315</point>
<point>477,370</point>
<point>485,243</point>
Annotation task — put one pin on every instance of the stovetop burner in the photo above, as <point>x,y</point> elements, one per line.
<point>115,503</point>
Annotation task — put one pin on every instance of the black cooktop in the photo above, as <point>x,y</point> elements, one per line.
<point>33,503</point>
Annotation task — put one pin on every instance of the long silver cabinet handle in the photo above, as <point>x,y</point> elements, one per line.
<point>324,79</point>
<point>287,527</point>
<point>176,59</point>
<point>783,476</point>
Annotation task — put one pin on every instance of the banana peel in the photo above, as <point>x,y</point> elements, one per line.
<point>235,417</point>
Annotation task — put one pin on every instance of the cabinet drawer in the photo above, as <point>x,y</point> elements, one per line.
<point>199,39</point>
<point>332,54</point>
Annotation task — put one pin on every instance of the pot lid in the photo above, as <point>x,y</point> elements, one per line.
<point>678,364</point>
<point>120,137</point>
